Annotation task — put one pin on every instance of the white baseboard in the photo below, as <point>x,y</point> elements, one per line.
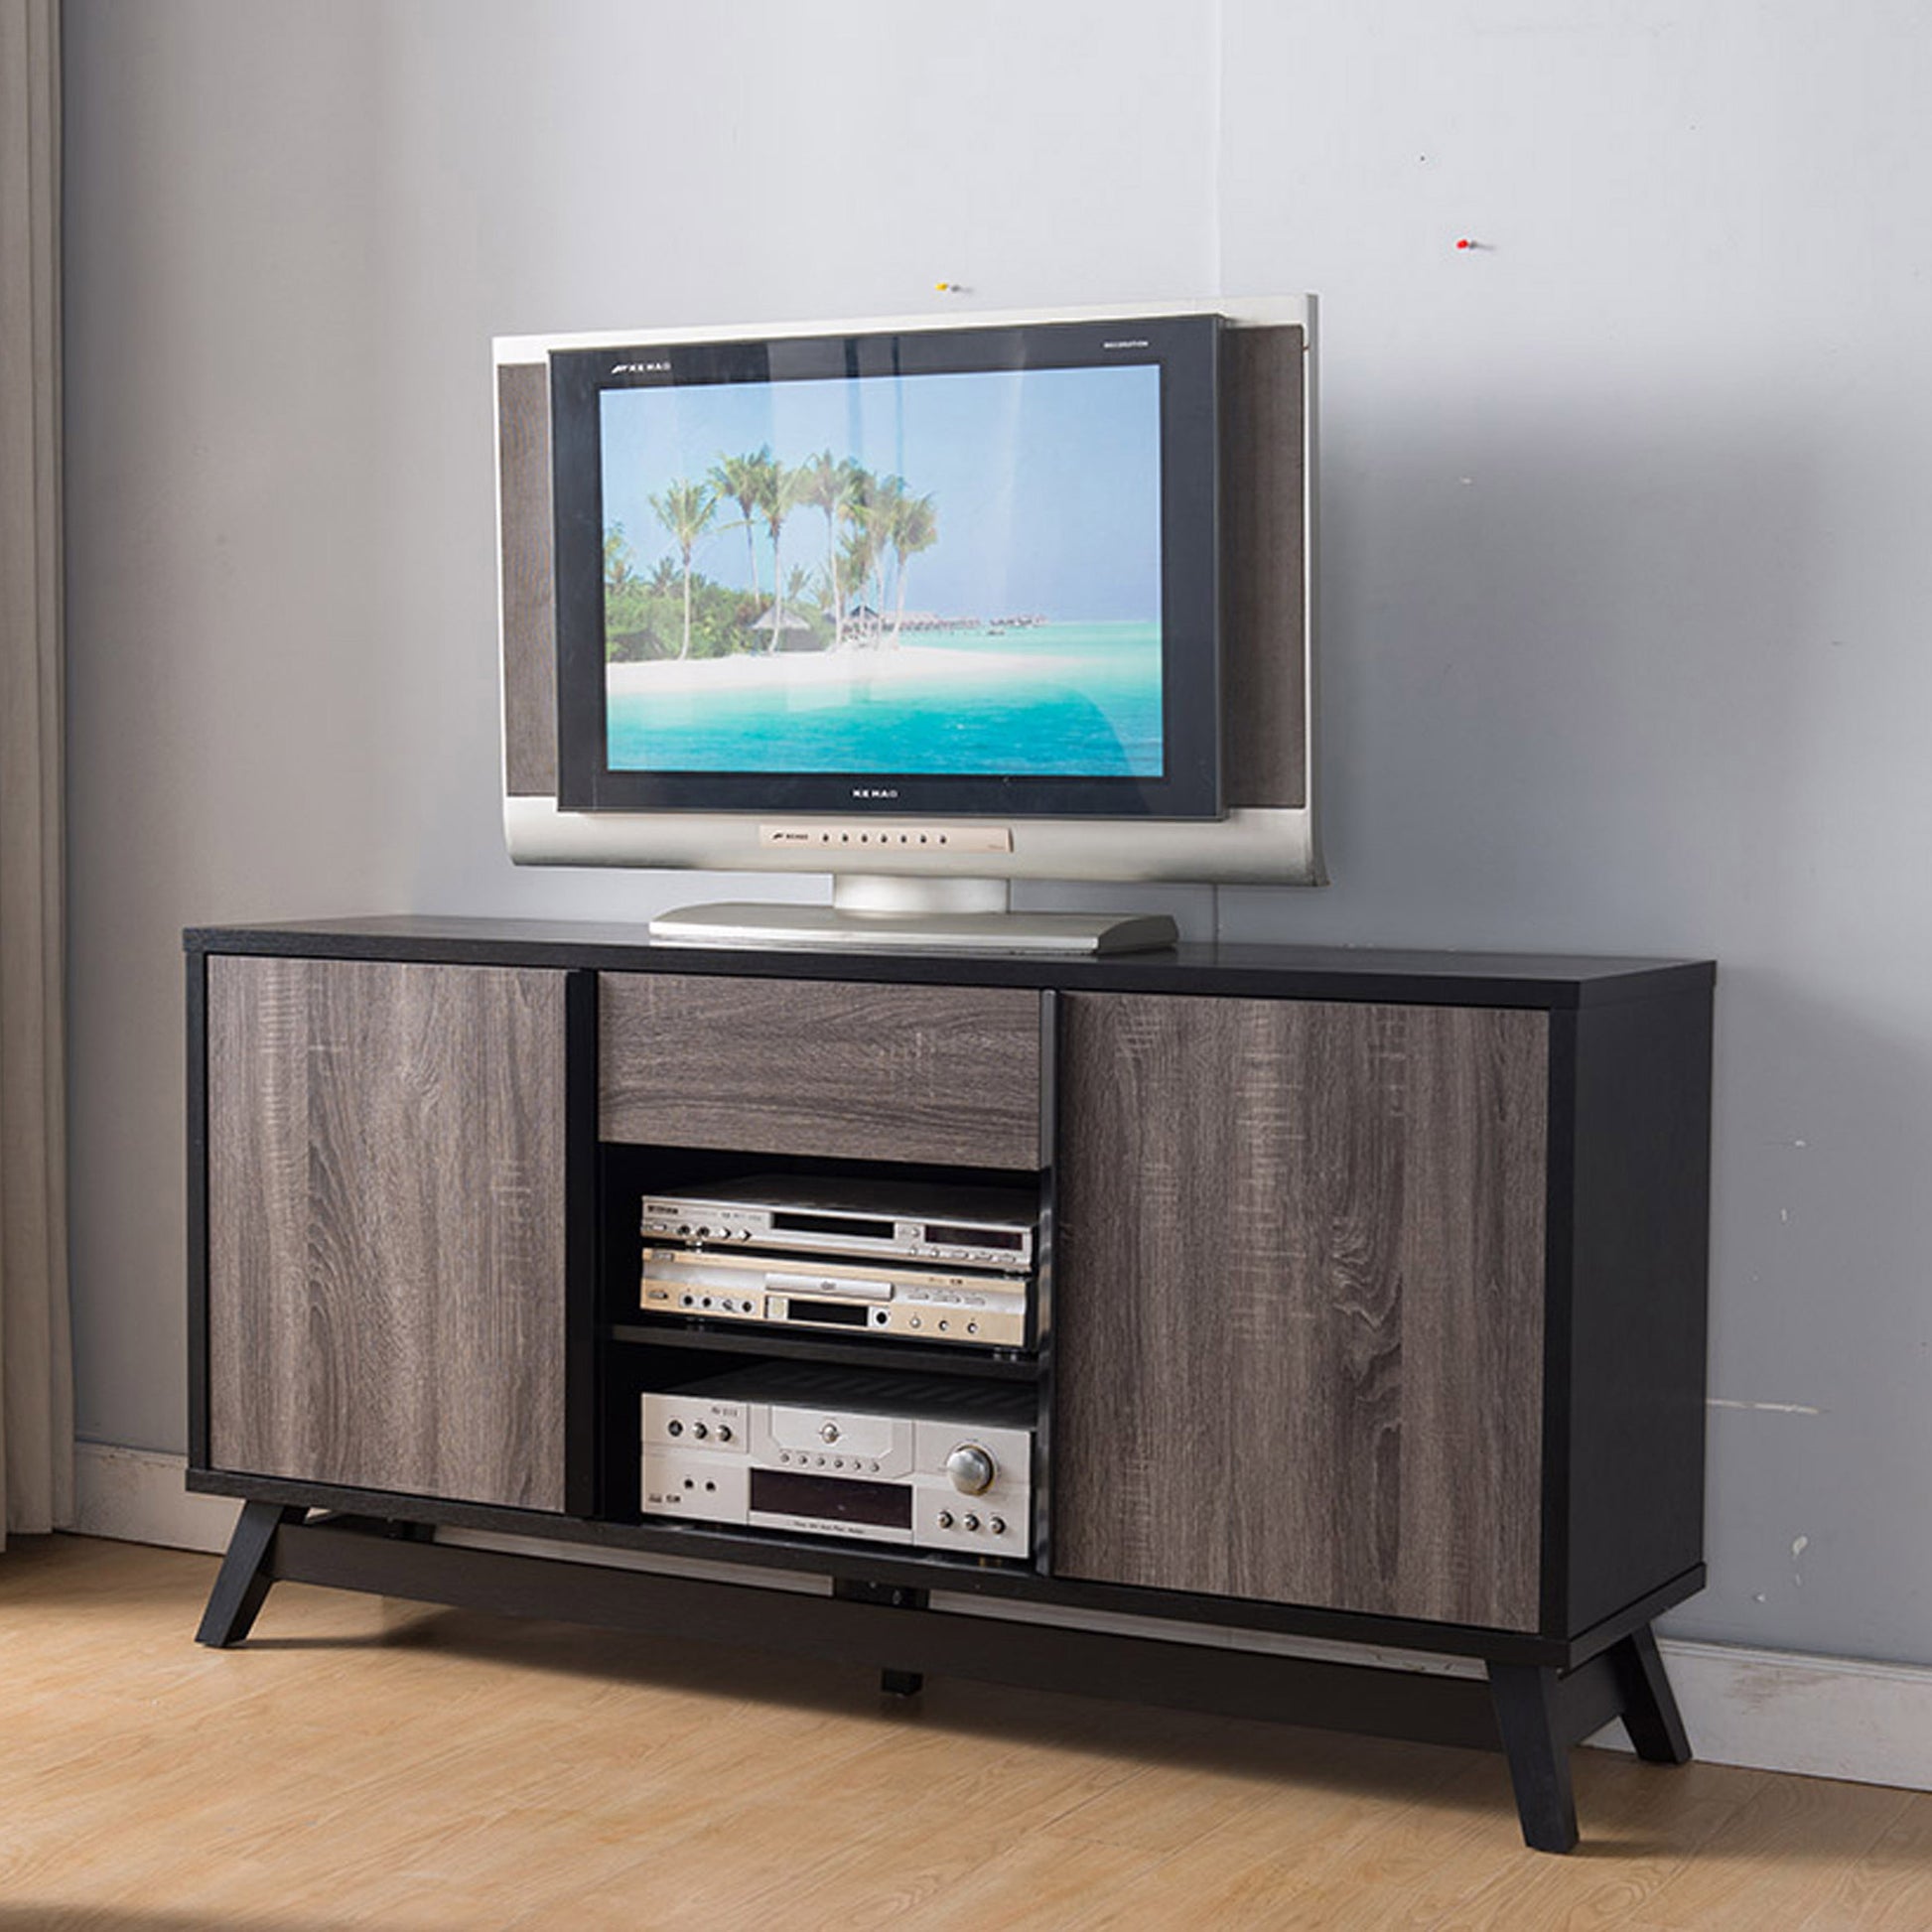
<point>1780,1710</point>
<point>140,1496</point>
<point>1772,1711</point>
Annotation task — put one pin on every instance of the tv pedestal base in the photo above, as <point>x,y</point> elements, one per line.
<point>831,929</point>
<point>896,913</point>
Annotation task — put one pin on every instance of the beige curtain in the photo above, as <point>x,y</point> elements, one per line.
<point>36,1383</point>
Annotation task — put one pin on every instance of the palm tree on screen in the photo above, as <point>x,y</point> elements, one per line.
<point>781,493</point>
<point>805,591</point>
<point>913,527</point>
<point>685,509</point>
<point>856,556</point>
<point>829,482</point>
<point>862,558</point>
<point>884,499</point>
<point>616,558</point>
<point>742,480</point>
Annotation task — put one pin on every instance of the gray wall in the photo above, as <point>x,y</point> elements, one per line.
<point>1623,556</point>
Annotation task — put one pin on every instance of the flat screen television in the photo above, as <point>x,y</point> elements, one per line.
<point>931,607</point>
<point>971,571</point>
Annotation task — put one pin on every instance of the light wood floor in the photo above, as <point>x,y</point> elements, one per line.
<point>380,1764</point>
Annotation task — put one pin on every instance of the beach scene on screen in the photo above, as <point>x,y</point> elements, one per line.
<point>950,574</point>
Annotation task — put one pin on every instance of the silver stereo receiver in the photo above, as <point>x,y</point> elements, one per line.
<point>832,1294</point>
<point>821,1452</point>
<point>971,1227</point>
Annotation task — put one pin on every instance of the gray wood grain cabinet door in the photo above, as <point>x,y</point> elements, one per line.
<point>855,1071</point>
<point>1300,1303</point>
<point>385,1226</point>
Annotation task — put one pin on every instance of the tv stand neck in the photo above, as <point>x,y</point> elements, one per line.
<point>901,894</point>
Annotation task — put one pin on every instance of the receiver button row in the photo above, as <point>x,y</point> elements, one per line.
<point>970,1523</point>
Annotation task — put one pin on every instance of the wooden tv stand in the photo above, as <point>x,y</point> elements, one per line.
<point>1377,1288</point>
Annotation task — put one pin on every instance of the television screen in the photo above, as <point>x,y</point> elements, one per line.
<point>970,570</point>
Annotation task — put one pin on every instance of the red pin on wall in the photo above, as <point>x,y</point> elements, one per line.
<point>1467,243</point>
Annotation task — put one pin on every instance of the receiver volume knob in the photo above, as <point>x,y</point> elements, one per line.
<point>971,1469</point>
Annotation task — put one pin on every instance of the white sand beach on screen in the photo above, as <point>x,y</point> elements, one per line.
<point>807,670</point>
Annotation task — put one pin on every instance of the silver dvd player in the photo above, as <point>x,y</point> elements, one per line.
<point>833,1295</point>
<point>970,1227</point>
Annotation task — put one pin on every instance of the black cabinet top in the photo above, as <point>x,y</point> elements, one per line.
<point>1551,980</point>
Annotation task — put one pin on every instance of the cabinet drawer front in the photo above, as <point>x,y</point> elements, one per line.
<point>1301,1352</point>
<point>940,1073</point>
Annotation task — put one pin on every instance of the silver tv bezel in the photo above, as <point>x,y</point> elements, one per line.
<point>1248,845</point>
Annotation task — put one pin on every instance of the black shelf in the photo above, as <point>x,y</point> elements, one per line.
<point>722,1339</point>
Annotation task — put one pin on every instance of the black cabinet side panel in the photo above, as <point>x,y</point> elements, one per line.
<point>1639,1260</point>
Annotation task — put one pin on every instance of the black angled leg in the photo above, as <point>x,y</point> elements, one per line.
<point>901,1683</point>
<point>242,1586</point>
<point>1650,1711</point>
<point>1538,1750</point>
